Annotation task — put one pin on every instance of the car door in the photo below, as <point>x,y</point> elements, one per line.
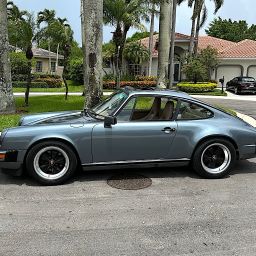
<point>144,132</point>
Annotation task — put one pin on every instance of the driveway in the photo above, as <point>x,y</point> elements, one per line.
<point>241,103</point>
<point>179,214</point>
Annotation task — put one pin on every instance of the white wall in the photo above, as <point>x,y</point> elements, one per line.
<point>232,69</point>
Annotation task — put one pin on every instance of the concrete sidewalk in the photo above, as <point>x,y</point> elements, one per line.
<point>230,96</point>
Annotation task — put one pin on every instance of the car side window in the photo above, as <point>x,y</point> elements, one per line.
<point>191,111</point>
<point>148,108</point>
<point>125,114</point>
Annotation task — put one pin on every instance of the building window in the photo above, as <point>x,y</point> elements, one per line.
<point>53,66</point>
<point>135,69</point>
<point>39,66</point>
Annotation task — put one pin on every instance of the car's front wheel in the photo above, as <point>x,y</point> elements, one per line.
<point>51,162</point>
<point>214,158</point>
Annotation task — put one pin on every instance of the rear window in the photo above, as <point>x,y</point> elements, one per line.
<point>248,79</point>
<point>191,111</point>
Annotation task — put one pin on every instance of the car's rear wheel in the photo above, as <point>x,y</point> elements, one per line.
<point>51,162</point>
<point>214,158</point>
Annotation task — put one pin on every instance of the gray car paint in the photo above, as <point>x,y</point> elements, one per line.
<point>129,141</point>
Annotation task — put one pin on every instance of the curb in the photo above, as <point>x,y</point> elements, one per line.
<point>247,119</point>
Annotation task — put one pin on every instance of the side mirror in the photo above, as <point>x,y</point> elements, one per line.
<point>109,121</point>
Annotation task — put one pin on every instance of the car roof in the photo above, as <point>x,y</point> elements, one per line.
<point>160,92</point>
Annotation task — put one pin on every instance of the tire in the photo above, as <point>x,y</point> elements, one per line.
<point>214,158</point>
<point>51,162</point>
<point>237,91</point>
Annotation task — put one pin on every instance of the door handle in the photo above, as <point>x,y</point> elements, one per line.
<point>168,130</point>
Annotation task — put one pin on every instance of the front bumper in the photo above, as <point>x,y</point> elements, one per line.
<point>248,89</point>
<point>10,162</point>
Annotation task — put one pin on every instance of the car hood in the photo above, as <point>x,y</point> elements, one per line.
<point>55,118</point>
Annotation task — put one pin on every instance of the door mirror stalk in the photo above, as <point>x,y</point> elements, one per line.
<point>109,121</point>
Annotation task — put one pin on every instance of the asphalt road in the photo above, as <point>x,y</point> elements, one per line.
<point>180,214</point>
<point>242,106</point>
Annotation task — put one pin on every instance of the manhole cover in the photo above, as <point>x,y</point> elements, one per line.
<point>129,181</point>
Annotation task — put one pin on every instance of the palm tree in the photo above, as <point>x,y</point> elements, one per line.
<point>14,13</point>
<point>22,34</point>
<point>164,42</point>
<point>93,31</point>
<point>136,53</point>
<point>198,19</point>
<point>123,14</point>
<point>153,12</point>
<point>7,104</point>
<point>46,16</point>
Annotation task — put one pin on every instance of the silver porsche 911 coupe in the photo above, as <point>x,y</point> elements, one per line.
<point>132,128</point>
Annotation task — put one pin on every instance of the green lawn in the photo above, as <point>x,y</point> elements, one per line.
<point>53,103</point>
<point>71,88</point>
<point>41,104</point>
<point>215,92</point>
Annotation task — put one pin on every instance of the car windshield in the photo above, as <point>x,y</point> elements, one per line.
<point>248,79</point>
<point>110,105</point>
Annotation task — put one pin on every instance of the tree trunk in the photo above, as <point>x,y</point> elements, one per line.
<point>7,104</point>
<point>171,59</point>
<point>151,39</point>
<point>164,44</point>
<point>57,59</point>
<point>28,83</point>
<point>117,38</point>
<point>193,28</point>
<point>83,38</point>
<point>49,55</point>
<point>197,33</point>
<point>93,30</point>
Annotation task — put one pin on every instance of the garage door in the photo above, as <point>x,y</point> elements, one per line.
<point>228,72</point>
<point>252,71</point>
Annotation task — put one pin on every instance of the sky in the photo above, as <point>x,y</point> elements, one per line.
<point>70,9</point>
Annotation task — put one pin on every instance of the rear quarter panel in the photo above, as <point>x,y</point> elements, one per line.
<point>191,132</point>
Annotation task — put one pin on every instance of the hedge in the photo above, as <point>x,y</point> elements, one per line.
<point>198,87</point>
<point>145,78</point>
<point>33,85</point>
<point>135,84</point>
<point>51,82</point>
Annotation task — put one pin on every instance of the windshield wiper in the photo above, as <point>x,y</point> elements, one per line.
<point>94,114</point>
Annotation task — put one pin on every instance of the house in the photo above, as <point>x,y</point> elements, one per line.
<point>235,59</point>
<point>46,62</point>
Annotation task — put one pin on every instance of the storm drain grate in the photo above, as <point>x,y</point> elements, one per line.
<point>129,181</point>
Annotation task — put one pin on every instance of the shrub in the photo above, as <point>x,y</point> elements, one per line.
<point>19,66</point>
<point>195,71</point>
<point>199,87</point>
<point>51,82</point>
<point>76,70</point>
<point>135,84</point>
<point>38,75</point>
<point>109,77</point>
<point>33,85</point>
<point>145,78</point>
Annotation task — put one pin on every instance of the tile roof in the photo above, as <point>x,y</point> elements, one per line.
<point>243,49</point>
<point>217,43</point>
<point>178,37</point>
<point>226,49</point>
<point>42,53</point>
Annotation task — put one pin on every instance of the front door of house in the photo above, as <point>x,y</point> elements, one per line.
<point>176,72</point>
